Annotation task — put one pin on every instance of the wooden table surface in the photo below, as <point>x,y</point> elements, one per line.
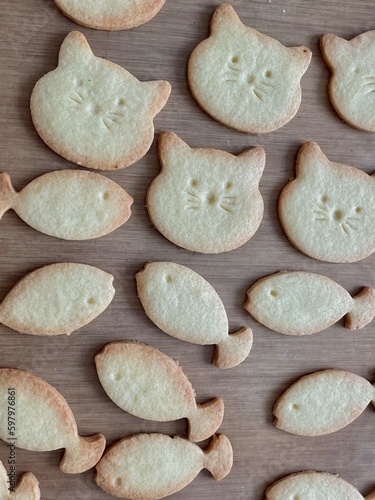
<point>30,36</point>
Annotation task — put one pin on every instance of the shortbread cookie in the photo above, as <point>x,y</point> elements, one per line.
<point>311,485</point>
<point>322,402</point>
<point>26,489</point>
<point>302,303</point>
<point>43,421</point>
<point>206,200</point>
<point>245,79</point>
<point>68,204</point>
<point>57,299</point>
<point>328,210</point>
<point>152,466</point>
<point>149,384</point>
<point>183,304</point>
<point>352,85</point>
<point>110,14</point>
<point>93,112</point>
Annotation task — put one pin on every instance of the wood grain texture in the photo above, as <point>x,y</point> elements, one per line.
<point>30,36</point>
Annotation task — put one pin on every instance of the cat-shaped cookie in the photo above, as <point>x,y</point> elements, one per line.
<point>93,112</point>
<point>245,79</point>
<point>328,210</point>
<point>206,200</point>
<point>110,14</point>
<point>352,85</point>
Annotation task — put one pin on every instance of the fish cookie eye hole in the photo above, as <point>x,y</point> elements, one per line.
<point>358,210</point>
<point>105,195</point>
<point>121,102</point>
<point>357,70</point>
<point>274,293</point>
<point>324,198</point>
<point>168,279</point>
<point>91,301</point>
<point>228,185</point>
<point>117,376</point>
<point>235,59</point>
<point>295,407</point>
<point>118,481</point>
<point>268,73</point>
<point>194,183</point>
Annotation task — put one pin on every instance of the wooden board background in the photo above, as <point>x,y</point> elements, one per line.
<point>30,35</point>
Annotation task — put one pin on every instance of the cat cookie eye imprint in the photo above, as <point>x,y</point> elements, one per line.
<point>206,200</point>
<point>93,112</point>
<point>328,210</point>
<point>244,79</point>
<point>110,15</point>
<point>352,84</point>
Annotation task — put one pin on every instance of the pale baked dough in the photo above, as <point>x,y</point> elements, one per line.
<point>44,421</point>
<point>328,210</point>
<point>57,299</point>
<point>68,204</point>
<point>206,200</point>
<point>245,79</point>
<point>153,466</point>
<point>322,402</point>
<point>27,487</point>
<point>302,303</point>
<point>110,15</point>
<point>183,304</point>
<point>93,112</point>
<point>149,384</point>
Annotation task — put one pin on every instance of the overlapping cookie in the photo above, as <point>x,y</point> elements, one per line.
<point>302,303</point>
<point>27,487</point>
<point>184,305</point>
<point>311,485</point>
<point>57,299</point>
<point>206,200</point>
<point>44,421</point>
<point>68,204</point>
<point>153,466</point>
<point>149,384</point>
<point>245,79</point>
<point>328,210</point>
<point>93,112</point>
<point>323,402</point>
<point>352,85</point>
<point>110,14</point>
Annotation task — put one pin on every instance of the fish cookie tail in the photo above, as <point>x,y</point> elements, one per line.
<point>233,349</point>
<point>219,457</point>
<point>28,487</point>
<point>7,193</point>
<point>206,420</point>
<point>363,310</point>
<point>82,454</point>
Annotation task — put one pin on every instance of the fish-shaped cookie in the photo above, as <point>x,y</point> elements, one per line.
<point>153,466</point>
<point>184,305</point>
<point>111,15</point>
<point>302,303</point>
<point>57,299</point>
<point>43,421</point>
<point>93,112</point>
<point>149,384</point>
<point>311,485</point>
<point>322,402</point>
<point>68,204</point>
<point>26,489</point>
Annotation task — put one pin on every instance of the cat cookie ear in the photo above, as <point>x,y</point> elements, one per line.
<point>74,48</point>
<point>333,48</point>
<point>302,56</point>
<point>255,158</point>
<point>170,149</point>
<point>224,19</point>
<point>157,94</point>
<point>309,156</point>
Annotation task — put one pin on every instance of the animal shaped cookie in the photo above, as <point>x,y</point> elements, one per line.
<point>302,303</point>
<point>132,468</point>
<point>352,85</point>
<point>93,112</point>
<point>328,210</point>
<point>322,402</point>
<point>110,14</point>
<point>57,299</point>
<point>245,79</point>
<point>206,200</point>
<point>26,489</point>
<point>311,485</point>
<point>149,384</point>
<point>183,304</point>
<point>44,421</point>
<point>68,204</point>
